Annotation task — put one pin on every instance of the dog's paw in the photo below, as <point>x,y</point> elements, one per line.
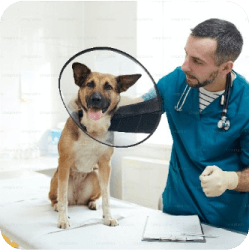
<point>110,222</point>
<point>55,207</point>
<point>63,223</point>
<point>92,205</point>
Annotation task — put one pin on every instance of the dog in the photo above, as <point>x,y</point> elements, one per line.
<point>84,164</point>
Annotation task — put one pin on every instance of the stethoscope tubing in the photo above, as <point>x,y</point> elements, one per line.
<point>227,94</point>
<point>223,123</point>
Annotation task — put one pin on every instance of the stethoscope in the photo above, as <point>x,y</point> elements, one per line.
<point>223,123</point>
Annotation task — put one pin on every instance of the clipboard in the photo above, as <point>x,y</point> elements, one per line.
<point>176,228</point>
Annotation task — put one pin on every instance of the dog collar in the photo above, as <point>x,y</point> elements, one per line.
<point>77,117</point>
<point>80,114</point>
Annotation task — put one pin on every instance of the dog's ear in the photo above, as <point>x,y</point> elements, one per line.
<point>126,81</point>
<point>80,73</point>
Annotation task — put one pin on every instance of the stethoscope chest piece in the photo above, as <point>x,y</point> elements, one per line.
<point>223,123</point>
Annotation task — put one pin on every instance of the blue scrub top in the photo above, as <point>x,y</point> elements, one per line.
<point>197,143</point>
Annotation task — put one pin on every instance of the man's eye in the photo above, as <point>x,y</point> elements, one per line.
<point>90,84</point>
<point>197,61</point>
<point>107,86</point>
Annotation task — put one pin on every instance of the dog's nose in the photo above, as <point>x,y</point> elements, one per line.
<point>96,99</point>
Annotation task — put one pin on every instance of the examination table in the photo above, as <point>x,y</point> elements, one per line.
<point>27,218</point>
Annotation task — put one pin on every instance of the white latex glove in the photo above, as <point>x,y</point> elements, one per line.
<point>215,181</point>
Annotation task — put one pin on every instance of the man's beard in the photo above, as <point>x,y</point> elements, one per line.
<point>211,79</point>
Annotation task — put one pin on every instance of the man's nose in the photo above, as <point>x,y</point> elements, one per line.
<point>185,66</point>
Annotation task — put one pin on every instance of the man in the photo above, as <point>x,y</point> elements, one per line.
<point>208,172</point>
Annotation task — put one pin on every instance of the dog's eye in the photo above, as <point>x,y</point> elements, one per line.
<point>90,84</point>
<point>107,86</point>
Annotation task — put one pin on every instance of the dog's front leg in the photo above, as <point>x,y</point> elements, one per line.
<point>63,176</point>
<point>104,180</point>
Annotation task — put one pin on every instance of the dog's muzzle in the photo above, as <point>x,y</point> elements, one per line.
<point>97,101</point>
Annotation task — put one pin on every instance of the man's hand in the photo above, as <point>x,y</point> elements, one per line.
<point>215,181</point>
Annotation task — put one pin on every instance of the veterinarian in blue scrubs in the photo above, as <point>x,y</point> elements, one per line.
<point>208,172</point>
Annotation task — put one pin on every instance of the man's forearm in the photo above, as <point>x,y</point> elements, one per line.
<point>124,100</point>
<point>243,184</point>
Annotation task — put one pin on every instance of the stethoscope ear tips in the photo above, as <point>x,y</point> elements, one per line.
<point>223,123</point>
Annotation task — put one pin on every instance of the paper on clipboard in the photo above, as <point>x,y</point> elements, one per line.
<point>165,227</point>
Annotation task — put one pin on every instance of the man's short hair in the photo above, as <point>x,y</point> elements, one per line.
<point>228,37</point>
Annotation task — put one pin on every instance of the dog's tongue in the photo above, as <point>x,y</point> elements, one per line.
<point>95,115</point>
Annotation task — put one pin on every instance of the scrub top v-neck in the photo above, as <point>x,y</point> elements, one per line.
<point>197,143</point>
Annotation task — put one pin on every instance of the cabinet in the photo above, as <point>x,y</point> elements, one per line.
<point>143,180</point>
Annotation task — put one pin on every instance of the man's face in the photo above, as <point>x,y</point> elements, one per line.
<point>199,65</point>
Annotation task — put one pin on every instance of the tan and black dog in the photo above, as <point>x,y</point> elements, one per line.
<point>84,165</point>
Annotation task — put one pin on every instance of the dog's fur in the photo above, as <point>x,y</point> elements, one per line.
<point>84,165</point>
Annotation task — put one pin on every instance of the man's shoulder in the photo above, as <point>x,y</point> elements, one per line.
<point>241,94</point>
<point>173,80</point>
<point>242,84</point>
<point>241,79</point>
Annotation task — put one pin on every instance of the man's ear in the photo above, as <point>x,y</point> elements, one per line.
<point>227,67</point>
<point>80,73</point>
<point>126,81</point>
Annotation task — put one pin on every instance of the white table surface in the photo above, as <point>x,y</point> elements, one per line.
<point>27,218</point>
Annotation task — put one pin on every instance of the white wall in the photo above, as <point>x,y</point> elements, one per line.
<point>36,39</point>
<point>111,24</point>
